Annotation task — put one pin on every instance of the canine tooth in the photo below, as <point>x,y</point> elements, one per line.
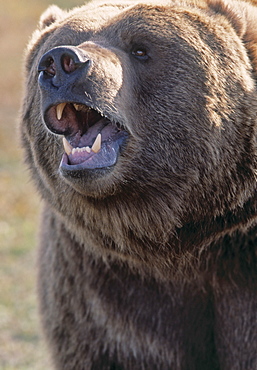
<point>59,110</point>
<point>67,147</point>
<point>88,149</point>
<point>97,144</point>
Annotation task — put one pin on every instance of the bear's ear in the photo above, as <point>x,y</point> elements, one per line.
<point>243,17</point>
<point>51,15</point>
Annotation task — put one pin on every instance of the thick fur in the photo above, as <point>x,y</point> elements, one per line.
<point>153,265</point>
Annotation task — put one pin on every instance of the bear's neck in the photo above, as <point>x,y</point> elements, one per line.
<point>212,229</point>
<point>106,236</point>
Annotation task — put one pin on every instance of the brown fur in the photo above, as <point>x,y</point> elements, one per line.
<point>151,264</point>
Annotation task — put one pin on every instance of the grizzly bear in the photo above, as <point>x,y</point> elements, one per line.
<point>139,124</point>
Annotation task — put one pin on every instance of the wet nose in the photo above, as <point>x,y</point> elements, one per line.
<point>60,63</point>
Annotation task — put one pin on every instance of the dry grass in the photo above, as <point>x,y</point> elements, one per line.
<point>21,345</point>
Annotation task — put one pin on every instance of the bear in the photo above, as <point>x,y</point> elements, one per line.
<point>138,125</point>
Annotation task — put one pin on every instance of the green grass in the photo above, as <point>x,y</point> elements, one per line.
<point>21,343</point>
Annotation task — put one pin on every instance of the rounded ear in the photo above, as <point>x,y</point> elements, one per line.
<point>243,17</point>
<point>51,15</point>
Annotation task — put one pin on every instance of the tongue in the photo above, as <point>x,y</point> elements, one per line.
<point>104,126</point>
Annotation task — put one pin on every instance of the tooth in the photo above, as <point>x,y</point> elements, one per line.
<point>77,106</point>
<point>77,150</point>
<point>97,144</point>
<point>67,147</point>
<point>59,110</point>
<point>88,149</point>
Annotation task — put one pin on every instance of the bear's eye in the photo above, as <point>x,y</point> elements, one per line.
<point>140,53</point>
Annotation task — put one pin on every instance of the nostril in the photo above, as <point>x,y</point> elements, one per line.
<point>48,66</point>
<point>68,64</point>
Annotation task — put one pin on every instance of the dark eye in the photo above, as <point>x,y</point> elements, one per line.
<point>140,53</point>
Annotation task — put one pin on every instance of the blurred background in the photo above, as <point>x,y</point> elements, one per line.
<point>21,344</point>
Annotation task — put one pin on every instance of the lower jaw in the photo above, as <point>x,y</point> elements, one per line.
<point>87,177</point>
<point>107,157</point>
<point>89,182</point>
<point>79,171</point>
<point>92,177</point>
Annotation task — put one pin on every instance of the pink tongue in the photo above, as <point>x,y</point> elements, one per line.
<point>89,137</point>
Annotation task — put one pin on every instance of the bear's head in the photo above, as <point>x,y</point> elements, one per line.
<point>143,107</point>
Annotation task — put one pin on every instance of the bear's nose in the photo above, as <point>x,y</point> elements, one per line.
<point>59,63</point>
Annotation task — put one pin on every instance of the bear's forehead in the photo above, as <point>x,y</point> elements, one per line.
<point>158,20</point>
<point>129,14</point>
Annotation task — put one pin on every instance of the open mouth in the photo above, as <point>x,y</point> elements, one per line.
<point>91,140</point>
